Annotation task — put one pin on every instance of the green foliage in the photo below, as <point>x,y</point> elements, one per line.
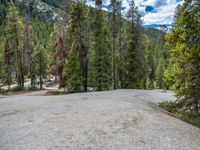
<point>41,50</point>
<point>108,49</point>
<point>78,31</point>
<point>169,106</point>
<point>101,68</point>
<point>1,55</point>
<point>183,70</point>
<point>192,118</point>
<point>58,45</point>
<point>156,57</point>
<point>135,55</point>
<point>72,70</point>
<point>55,93</point>
<point>160,73</point>
<point>3,10</point>
<point>115,18</point>
<point>176,109</point>
<point>14,35</point>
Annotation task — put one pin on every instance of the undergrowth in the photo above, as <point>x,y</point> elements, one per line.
<point>186,115</point>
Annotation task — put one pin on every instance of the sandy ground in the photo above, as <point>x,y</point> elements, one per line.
<point>114,120</point>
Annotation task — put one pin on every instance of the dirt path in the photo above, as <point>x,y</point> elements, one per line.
<point>115,120</point>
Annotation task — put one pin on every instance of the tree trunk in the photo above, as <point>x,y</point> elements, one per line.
<point>41,72</point>
<point>114,49</point>
<point>20,63</point>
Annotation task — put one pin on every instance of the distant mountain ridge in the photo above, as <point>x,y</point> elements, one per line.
<point>157,25</point>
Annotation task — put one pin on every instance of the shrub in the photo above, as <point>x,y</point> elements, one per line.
<point>169,106</point>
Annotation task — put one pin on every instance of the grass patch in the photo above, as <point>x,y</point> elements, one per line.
<point>17,90</point>
<point>56,93</point>
<point>169,106</point>
<point>191,118</point>
<point>175,108</point>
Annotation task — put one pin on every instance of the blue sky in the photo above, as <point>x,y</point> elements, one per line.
<point>154,12</point>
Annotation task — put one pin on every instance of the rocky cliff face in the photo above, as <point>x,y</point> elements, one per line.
<point>49,13</point>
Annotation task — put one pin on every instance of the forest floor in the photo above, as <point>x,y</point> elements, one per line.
<point>50,85</point>
<point>113,120</point>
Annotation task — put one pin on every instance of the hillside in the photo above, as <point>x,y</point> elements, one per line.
<point>46,15</point>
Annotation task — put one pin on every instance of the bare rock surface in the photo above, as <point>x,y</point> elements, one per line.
<point>114,120</point>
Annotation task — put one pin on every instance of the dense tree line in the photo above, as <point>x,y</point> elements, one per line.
<point>88,48</point>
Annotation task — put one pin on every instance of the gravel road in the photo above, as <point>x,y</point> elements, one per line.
<point>114,120</point>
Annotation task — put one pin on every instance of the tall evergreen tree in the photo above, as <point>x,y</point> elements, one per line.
<point>185,67</point>
<point>78,35</point>
<point>14,33</point>
<point>101,64</point>
<point>29,45</point>
<point>121,46</point>
<point>116,38</point>
<point>7,64</point>
<point>114,10</point>
<point>72,70</point>
<point>2,46</point>
<point>41,62</point>
<point>135,55</point>
<point>41,52</point>
<point>59,52</point>
<point>150,62</point>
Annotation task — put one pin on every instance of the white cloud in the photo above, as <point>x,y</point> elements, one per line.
<point>163,10</point>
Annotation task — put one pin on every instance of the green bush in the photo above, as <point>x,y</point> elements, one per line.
<point>169,106</point>
<point>192,118</point>
<point>56,93</point>
<point>183,114</point>
<point>3,91</point>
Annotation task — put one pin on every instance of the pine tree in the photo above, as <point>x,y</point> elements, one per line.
<point>59,53</point>
<point>160,73</point>
<point>7,64</point>
<point>150,62</point>
<point>41,50</point>
<point>114,38</point>
<point>40,57</point>
<point>77,34</point>
<point>156,55</point>
<point>2,47</point>
<point>72,70</point>
<point>121,46</point>
<point>14,33</point>
<point>29,66</point>
<point>184,69</point>
<point>101,61</point>
<point>135,55</point>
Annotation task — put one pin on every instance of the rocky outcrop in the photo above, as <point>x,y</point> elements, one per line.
<point>49,13</point>
<point>46,11</point>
